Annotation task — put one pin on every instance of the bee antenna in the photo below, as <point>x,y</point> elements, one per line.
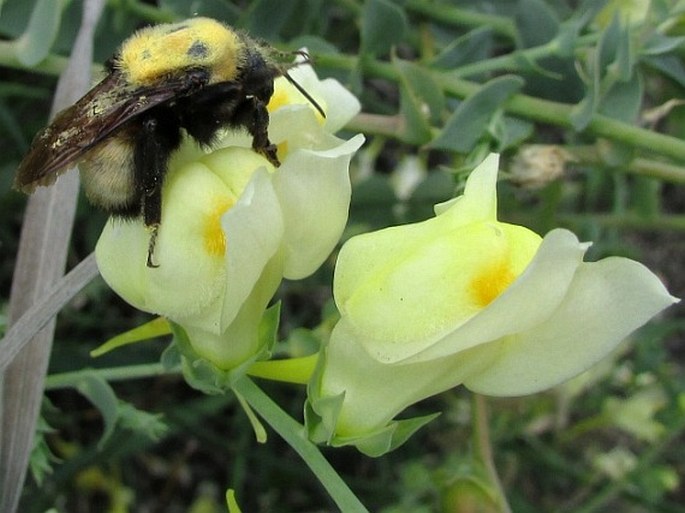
<point>304,55</point>
<point>305,94</point>
<point>306,60</point>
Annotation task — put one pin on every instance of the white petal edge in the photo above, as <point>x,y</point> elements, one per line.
<point>314,190</point>
<point>606,302</point>
<point>254,231</point>
<point>340,104</point>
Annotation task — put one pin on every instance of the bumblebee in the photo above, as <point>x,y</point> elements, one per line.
<point>194,78</point>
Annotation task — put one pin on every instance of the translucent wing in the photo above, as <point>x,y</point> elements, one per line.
<point>102,111</point>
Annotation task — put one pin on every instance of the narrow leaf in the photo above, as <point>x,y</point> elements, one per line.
<point>659,44</point>
<point>35,43</point>
<point>470,120</point>
<point>624,100</point>
<point>383,25</point>
<point>155,328</point>
<point>536,22</point>
<point>669,65</point>
<point>101,395</point>
<point>232,502</point>
<point>473,46</point>
<point>257,426</point>
<point>414,110</point>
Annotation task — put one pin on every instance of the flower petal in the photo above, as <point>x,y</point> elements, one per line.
<point>254,229</point>
<point>191,197</point>
<point>606,301</point>
<point>530,300</point>
<point>479,201</point>
<point>121,252</point>
<point>240,341</point>
<point>375,392</point>
<point>313,189</point>
<point>342,104</point>
<point>337,102</point>
<point>295,127</point>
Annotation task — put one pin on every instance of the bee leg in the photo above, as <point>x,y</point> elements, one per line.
<point>154,144</point>
<point>154,229</point>
<point>258,128</point>
<point>205,111</point>
<point>152,216</point>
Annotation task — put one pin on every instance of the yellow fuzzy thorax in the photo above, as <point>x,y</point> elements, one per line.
<point>153,52</point>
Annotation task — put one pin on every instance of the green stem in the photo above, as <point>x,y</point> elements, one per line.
<point>520,105</point>
<point>51,65</point>
<point>290,370</point>
<point>483,448</point>
<point>72,379</point>
<point>293,433</point>
<point>150,13</point>
<point>528,107</point>
<point>559,114</point>
<point>450,15</point>
<point>640,166</point>
<point>630,221</point>
<point>512,62</point>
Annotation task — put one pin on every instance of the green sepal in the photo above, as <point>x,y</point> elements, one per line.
<point>321,413</point>
<point>387,439</point>
<point>202,374</point>
<point>268,327</point>
<point>157,327</point>
<point>321,417</point>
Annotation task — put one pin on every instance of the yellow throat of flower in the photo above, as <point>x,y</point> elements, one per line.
<point>490,281</point>
<point>213,234</point>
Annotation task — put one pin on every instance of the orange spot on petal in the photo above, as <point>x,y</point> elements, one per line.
<point>491,281</point>
<point>213,234</point>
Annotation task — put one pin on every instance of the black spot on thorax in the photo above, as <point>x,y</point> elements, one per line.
<point>198,50</point>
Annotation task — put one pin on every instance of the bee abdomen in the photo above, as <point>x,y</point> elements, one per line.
<point>107,175</point>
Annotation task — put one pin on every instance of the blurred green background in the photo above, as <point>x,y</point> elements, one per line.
<point>597,89</point>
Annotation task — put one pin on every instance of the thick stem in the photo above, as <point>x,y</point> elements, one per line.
<point>483,448</point>
<point>293,433</point>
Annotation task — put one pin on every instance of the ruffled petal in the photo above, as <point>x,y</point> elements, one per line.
<point>313,188</point>
<point>606,301</point>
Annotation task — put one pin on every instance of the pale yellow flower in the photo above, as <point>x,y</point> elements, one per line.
<point>463,298</point>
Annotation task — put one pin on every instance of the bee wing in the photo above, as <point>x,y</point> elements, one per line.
<point>97,115</point>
